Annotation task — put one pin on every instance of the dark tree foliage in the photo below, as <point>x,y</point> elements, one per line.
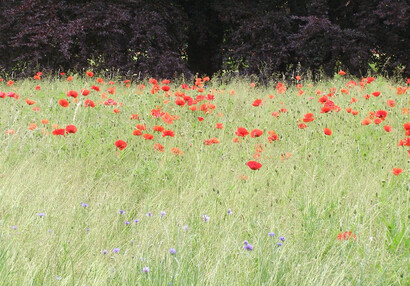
<point>168,38</point>
<point>141,37</point>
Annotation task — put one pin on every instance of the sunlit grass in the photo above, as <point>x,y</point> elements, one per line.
<point>324,186</point>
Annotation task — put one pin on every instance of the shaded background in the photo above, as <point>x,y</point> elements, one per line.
<point>159,38</point>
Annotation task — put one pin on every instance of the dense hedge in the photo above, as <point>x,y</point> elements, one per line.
<point>168,38</point>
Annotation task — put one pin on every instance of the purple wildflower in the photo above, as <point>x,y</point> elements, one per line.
<point>229,212</point>
<point>282,238</point>
<point>145,269</point>
<point>248,247</point>
<point>163,213</point>
<point>149,214</point>
<point>279,244</point>
<point>172,251</point>
<point>84,205</point>
<point>116,250</point>
<point>206,218</point>
<point>136,221</point>
<point>272,234</point>
<point>41,214</point>
<point>105,251</point>
<point>245,242</point>
<point>14,227</point>
<point>126,222</point>
<point>121,212</point>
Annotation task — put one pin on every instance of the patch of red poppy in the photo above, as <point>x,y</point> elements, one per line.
<point>241,132</point>
<point>72,93</point>
<point>70,129</point>
<point>59,132</point>
<point>169,133</point>
<point>327,131</point>
<point>120,144</point>
<point>397,171</point>
<point>63,103</point>
<point>256,133</point>
<point>257,102</point>
<point>346,236</point>
<point>254,165</point>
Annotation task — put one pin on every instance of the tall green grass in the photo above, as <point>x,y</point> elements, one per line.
<point>329,185</point>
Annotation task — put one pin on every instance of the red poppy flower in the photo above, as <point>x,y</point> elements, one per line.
<point>254,165</point>
<point>219,126</point>
<point>90,73</point>
<point>59,132</point>
<point>376,93</point>
<point>71,129</point>
<point>325,109</point>
<point>342,72</point>
<point>406,126</point>
<point>200,119</point>
<point>89,102</point>
<point>401,90</point>
<point>388,128</point>
<point>256,133</point>
<point>257,102</point>
<point>72,93</point>
<point>241,132</point>
<point>63,102</point>
<point>121,144</point>
<point>323,99</point>
<point>148,136</point>
<point>366,121</point>
<point>327,131</point>
<point>308,117</point>
<point>141,127</point>
<point>30,102</point>
<point>158,128</point>
<point>165,88</point>
<point>397,171</point>
<point>159,147</point>
<point>273,137</point>
<point>137,132</point>
<point>96,88</point>
<point>180,102</point>
<point>169,133</point>
<point>381,114</point>
<point>391,103</point>
<point>346,236</point>
<point>302,126</point>
<point>85,92</point>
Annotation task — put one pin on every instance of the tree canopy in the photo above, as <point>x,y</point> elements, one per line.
<point>168,38</point>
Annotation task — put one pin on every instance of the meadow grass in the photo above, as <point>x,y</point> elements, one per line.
<point>326,185</point>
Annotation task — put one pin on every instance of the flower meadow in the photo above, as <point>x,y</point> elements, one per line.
<point>159,182</point>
